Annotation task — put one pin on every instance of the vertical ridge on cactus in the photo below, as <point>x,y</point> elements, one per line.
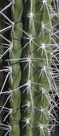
<point>35,72</point>
<point>37,45</point>
<point>15,76</point>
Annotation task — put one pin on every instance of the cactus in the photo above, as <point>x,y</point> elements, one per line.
<point>36,68</point>
<point>4,127</point>
<point>29,67</point>
<point>15,76</point>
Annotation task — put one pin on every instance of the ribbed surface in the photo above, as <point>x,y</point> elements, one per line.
<point>29,67</point>
<point>15,76</point>
<point>37,70</point>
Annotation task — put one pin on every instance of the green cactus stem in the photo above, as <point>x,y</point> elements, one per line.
<point>36,73</point>
<point>29,67</point>
<point>15,76</point>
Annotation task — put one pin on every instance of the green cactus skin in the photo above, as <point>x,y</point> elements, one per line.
<point>15,76</point>
<point>37,73</point>
<point>33,121</point>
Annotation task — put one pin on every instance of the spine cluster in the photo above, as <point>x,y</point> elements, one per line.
<point>29,67</point>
